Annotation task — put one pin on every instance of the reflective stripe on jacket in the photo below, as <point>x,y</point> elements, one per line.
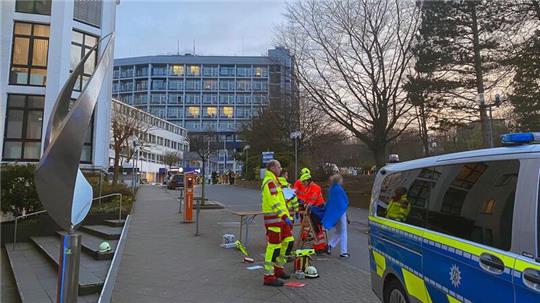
<point>313,194</point>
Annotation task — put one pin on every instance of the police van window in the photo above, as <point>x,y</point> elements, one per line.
<point>404,196</point>
<point>475,201</point>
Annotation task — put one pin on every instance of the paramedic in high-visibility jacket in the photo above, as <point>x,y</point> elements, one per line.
<point>292,203</point>
<point>278,224</point>
<point>399,206</point>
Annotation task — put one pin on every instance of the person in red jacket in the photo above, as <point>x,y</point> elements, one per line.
<point>299,187</point>
<point>313,197</point>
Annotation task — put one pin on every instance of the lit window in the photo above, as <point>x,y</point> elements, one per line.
<point>177,70</point>
<point>194,70</point>
<point>210,112</point>
<point>193,112</point>
<point>227,111</point>
<point>29,55</point>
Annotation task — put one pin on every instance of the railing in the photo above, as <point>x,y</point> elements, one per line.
<point>23,216</point>
<point>44,211</point>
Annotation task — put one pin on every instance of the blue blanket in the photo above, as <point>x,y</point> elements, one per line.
<point>335,207</point>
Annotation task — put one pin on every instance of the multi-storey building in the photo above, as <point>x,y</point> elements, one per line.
<point>206,94</point>
<point>41,43</point>
<point>157,138</point>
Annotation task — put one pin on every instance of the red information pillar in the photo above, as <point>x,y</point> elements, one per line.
<point>189,183</point>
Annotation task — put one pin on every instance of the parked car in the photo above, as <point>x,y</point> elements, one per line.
<point>176,181</point>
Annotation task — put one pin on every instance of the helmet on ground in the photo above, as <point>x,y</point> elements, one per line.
<point>305,170</point>
<point>311,272</point>
<point>305,177</point>
<point>104,247</point>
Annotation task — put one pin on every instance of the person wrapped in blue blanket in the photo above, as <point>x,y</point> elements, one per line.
<point>334,214</point>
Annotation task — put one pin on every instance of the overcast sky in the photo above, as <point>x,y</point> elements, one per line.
<point>218,27</point>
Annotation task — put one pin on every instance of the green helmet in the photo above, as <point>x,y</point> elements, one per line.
<point>305,170</point>
<point>104,247</point>
<point>305,177</point>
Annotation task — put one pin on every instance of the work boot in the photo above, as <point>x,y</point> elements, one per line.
<point>280,273</point>
<point>271,280</point>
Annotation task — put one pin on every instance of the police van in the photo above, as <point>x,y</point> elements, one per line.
<point>461,227</point>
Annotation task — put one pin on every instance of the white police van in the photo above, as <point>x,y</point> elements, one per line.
<point>467,230</point>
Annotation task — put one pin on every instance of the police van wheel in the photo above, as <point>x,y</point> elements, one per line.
<point>394,293</point>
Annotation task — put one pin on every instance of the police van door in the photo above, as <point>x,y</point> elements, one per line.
<point>526,234</point>
<point>469,232</point>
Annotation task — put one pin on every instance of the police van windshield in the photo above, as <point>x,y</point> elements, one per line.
<point>473,201</point>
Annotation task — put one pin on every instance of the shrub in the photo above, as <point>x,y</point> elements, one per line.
<point>18,189</point>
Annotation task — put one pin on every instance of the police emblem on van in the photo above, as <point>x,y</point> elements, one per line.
<point>455,275</point>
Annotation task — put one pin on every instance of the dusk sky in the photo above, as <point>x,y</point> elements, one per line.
<point>219,27</point>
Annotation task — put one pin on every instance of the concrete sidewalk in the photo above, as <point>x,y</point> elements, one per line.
<point>164,262</point>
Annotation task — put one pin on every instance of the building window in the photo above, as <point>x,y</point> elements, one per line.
<point>29,54</point>
<point>243,85</point>
<point>243,71</point>
<point>158,98</point>
<point>227,112</point>
<point>210,71</point>
<point>226,85</point>
<point>193,84</point>
<point>226,71</point>
<point>210,99</point>
<point>159,84</point>
<point>194,70</point>
<point>226,99</point>
<point>24,123</point>
<point>41,7</point>
<point>86,154</point>
<point>174,98</point>
<point>81,44</point>
<point>193,99</point>
<point>88,12</point>
<point>210,112</point>
<point>210,84</point>
<point>260,71</point>
<point>159,70</point>
<point>193,112</point>
<point>141,71</point>
<point>176,70</point>
<point>176,84</point>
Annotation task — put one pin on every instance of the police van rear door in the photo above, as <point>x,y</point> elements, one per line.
<point>527,230</point>
<point>466,248</point>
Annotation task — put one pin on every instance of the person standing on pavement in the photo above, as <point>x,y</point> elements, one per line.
<point>278,224</point>
<point>313,197</point>
<point>335,215</point>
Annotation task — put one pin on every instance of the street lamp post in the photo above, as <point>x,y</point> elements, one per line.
<point>295,136</point>
<point>246,151</point>
<point>134,159</point>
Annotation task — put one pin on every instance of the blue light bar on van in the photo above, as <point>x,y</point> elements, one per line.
<point>520,138</point>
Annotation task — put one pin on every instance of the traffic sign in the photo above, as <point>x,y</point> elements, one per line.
<point>267,156</point>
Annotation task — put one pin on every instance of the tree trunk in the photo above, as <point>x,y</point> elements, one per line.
<point>479,78</point>
<point>116,168</point>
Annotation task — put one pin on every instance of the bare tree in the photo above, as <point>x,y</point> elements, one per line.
<point>172,157</point>
<point>126,123</point>
<point>351,58</point>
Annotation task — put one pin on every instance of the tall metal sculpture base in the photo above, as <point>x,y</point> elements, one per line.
<point>68,268</point>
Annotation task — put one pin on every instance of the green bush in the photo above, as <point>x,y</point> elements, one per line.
<point>109,204</point>
<point>18,189</point>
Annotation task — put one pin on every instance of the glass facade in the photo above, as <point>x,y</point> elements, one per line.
<point>196,96</point>
<point>81,44</point>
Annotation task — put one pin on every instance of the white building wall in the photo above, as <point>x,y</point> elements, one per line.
<point>58,65</point>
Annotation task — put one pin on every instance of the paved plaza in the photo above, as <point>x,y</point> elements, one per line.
<point>164,262</point>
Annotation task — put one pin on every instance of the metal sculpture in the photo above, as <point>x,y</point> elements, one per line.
<point>60,184</point>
